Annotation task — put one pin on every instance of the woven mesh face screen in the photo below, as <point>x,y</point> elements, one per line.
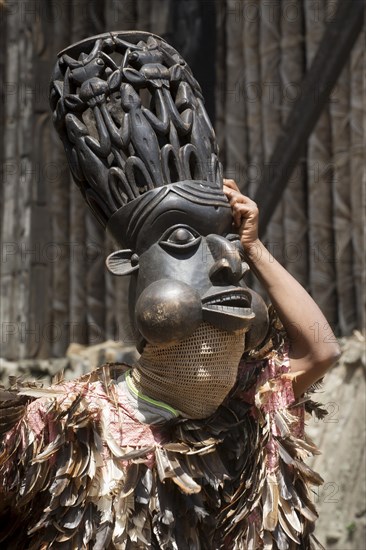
<point>195,375</point>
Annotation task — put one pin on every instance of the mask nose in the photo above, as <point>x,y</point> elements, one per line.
<point>227,268</point>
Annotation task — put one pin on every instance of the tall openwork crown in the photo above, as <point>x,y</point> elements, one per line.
<point>131,118</point>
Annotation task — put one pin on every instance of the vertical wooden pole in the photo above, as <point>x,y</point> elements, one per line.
<point>95,280</point>
<point>340,125</point>
<point>357,154</point>
<point>220,69</point>
<point>322,270</point>
<point>10,247</point>
<point>160,17</point>
<point>59,181</point>
<point>30,265</point>
<point>270,41</point>
<point>144,15</point>
<point>95,234</point>
<point>236,134</point>
<point>120,16</point>
<point>3,34</point>
<point>294,200</point>
<point>78,234</point>
<point>253,94</point>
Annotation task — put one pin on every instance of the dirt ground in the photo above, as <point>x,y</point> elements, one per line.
<point>341,501</point>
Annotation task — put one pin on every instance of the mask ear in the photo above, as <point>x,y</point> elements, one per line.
<point>122,262</point>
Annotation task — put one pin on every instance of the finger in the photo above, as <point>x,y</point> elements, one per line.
<point>242,212</point>
<point>239,198</point>
<point>237,195</point>
<point>232,195</point>
<point>231,184</point>
<point>238,207</point>
<point>247,210</point>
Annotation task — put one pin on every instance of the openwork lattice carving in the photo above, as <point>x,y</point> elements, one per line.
<point>131,117</point>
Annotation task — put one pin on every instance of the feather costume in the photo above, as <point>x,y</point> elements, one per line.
<point>79,470</point>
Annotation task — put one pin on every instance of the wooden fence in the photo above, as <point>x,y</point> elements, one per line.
<point>250,58</point>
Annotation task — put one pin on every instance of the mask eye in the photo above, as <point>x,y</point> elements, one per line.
<point>181,237</point>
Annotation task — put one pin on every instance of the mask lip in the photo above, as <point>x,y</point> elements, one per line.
<point>228,309</point>
<point>215,296</point>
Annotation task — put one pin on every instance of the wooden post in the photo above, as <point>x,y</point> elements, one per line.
<point>294,201</point>
<point>322,268</point>
<point>60,206</point>
<point>220,67</point>
<point>252,67</point>
<point>236,133</point>
<point>10,327</point>
<point>95,234</point>
<point>120,16</point>
<point>270,41</point>
<point>342,218</point>
<point>357,154</point>
<point>3,34</point>
<point>144,15</point>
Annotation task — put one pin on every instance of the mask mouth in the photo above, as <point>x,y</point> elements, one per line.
<point>229,309</point>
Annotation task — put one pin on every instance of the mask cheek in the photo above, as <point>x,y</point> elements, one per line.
<point>168,311</point>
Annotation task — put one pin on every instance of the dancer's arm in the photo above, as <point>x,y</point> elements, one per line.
<point>313,346</point>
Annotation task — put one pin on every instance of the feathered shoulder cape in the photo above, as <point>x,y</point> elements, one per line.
<point>79,471</point>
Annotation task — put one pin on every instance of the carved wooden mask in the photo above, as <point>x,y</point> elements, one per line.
<point>143,152</point>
